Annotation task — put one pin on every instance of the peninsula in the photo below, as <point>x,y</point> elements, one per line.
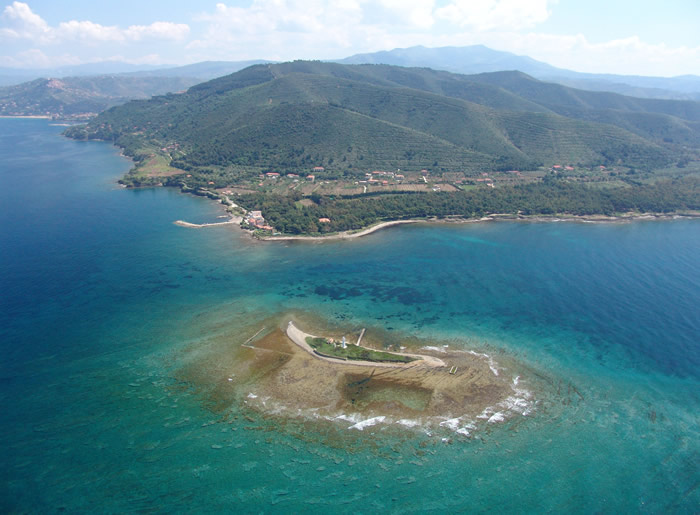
<point>322,149</point>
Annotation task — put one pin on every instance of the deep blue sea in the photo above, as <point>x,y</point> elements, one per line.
<point>104,302</point>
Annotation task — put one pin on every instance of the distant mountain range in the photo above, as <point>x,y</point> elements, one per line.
<point>81,95</point>
<point>352,118</point>
<point>14,76</point>
<point>75,96</point>
<point>86,92</point>
<point>205,70</point>
<point>480,59</point>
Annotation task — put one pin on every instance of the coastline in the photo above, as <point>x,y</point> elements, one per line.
<point>496,217</point>
<point>493,217</point>
<point>31,116</point>
<point>345,235</point>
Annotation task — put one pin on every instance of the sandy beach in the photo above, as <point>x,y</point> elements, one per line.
<point>496,217</point>
<point>342,235</point>
<point>37,116</point>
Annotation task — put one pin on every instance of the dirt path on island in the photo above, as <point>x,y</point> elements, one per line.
<point>299,337</point>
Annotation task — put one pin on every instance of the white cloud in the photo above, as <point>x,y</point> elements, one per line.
<point>321,29</point>
<point>289,29</point>
<point>23,23</point>
<point>86,31</point>
<point>279,29</point>
<point>326,29</point>
<point>416,14</point>
<point>35,58</point>
<point>158,30</point>
<point>621,56</point>
<point>483,15</point>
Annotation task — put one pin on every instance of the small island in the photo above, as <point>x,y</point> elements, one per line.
<point>282,371</point>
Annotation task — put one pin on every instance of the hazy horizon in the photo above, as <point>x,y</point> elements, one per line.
<point>596,38</point>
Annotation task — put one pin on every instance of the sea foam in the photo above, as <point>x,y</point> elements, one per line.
<point>492,364</point>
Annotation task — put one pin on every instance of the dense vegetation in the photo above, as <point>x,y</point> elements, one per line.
<point>324,348</point>
<point>550,197</point>
<point>350,119</point>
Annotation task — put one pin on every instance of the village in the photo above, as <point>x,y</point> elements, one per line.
<point>378,181</point>
<point>383,181</point>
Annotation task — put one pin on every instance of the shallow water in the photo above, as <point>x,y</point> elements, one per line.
<point>105,303</point>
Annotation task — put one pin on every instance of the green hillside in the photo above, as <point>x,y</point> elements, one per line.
<point>550,94</point>
<point>673,122</point>
<point>350,119</point>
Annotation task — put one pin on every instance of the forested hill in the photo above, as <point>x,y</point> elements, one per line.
<point>353,118</point>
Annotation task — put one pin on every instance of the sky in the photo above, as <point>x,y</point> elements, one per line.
<point>630,37</point>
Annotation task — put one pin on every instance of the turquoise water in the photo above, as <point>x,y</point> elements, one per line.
<point>105,302</point>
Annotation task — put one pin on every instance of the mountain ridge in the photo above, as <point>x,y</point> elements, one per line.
<point>481,59</point>
<point>465,60</point>
<point>80,96</point>
<point>287,116</point>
